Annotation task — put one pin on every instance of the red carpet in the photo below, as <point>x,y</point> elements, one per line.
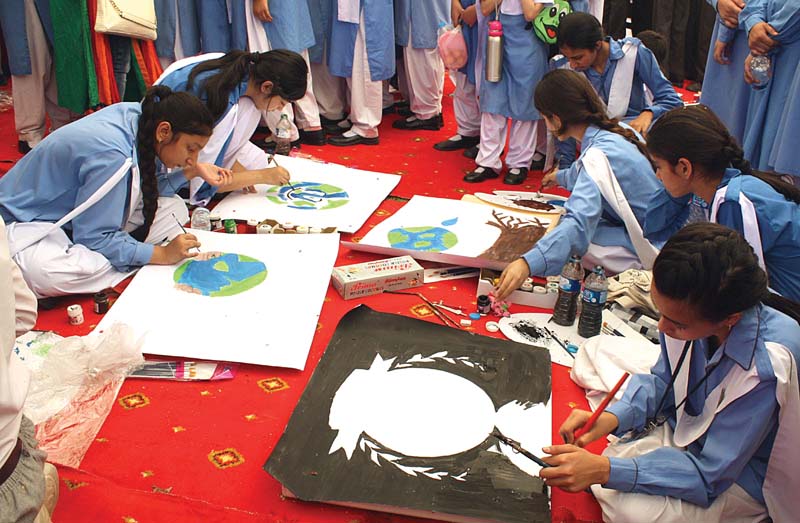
<point>193,451</point>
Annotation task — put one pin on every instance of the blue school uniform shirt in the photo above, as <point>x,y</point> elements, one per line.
<point>321,21</point>
<point>379,39</point>
<point>737,445</point>
<point>778,225</point>
<point>589,218</point>
<point>290,27</point>
<point>68,167</point>
<point>422,17</point>
<point>646,72</point>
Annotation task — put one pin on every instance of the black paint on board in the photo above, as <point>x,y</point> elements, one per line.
<point>494,488</point>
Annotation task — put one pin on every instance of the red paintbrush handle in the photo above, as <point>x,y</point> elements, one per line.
<point>596,414</point>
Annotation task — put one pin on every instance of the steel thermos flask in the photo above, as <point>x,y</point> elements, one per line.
<point>494,52</point>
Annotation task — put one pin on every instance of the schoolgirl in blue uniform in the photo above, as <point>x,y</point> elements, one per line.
<point>612,184</point>
<point>695,155</point>
<point>95,201</point>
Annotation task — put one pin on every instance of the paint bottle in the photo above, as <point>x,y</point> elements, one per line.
<point>527,286</point>
<point>302,229</point>
<point>216,222</point>
<point>288,226</point>
<point>252,223</point>
<point>100,302</point>
<point>315,230</point>
<point>278,230</point>
<point>75,314</point>
<point>264,228</point>
<point>484,305</point>
<point>230,226</point>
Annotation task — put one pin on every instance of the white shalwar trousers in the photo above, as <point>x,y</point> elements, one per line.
<point>36,95</point>
<point>735,505</point>
<point>521,142</point>
<point>465,105</point>
<point>330,91</point>
<point>54,266</point>
<point>366,95</point>
<point>425,72</point>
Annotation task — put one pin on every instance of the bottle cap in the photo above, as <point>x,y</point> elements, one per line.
<point>474,316</point>
<point>252,222</point>
<point>492,326</point>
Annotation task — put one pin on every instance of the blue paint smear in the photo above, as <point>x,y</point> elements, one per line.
<point>451,221</point>
<point>201,274</point>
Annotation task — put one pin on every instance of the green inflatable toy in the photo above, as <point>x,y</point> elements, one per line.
<point>545,25</point>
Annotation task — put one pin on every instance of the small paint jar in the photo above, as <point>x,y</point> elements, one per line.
<point>315,230</point>
<point>302,229</point>
<point>552,287</point>
<point>230,226</point>
<point>100,302</point>
<point>553,279</point>
<point>216,222</point>
<point>484,305</point>
<point>264,228</point>
<point>278,230</point>
<point>288,225</point>
<point>538,289</point>
<point>474,316</point>
<point>75,314</point>
<point>527,286</point>
<point>252,223</point>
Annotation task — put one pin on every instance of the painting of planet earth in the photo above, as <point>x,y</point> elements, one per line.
<point>217,274</point>
<point>308,196</point>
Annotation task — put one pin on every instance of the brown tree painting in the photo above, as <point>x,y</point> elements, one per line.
<point>517,236</point>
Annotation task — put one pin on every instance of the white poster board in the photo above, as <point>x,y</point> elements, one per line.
<point>260,301</point>
<point>455,231</point>
<point>321,195</point>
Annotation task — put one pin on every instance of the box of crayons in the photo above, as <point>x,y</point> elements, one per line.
<point>365,279</point>
<point>532,292</point>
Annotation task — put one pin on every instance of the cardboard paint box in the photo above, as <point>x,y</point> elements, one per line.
<point>365,279</point>
<point>544,300</point>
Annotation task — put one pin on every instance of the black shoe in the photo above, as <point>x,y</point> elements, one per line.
<point>694,87</point>
<point>413,123</point>
<point>441,119</point>
<point>538,165</point>
<point>453,145</point>
<point>332,126</point>
<point>343,141</point>
<point>389,110</point>
<point>472,152</point>
<point>480,174</point>
<point>312,137</point>
<point>23,147</point>
<point>516,176</point>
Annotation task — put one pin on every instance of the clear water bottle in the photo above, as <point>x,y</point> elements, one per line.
<point>201,219</point>
<point>595,292</point>
<point>494,52</point>
<point>760,67</point>
<point>569,287</point>
<point>283,136</point>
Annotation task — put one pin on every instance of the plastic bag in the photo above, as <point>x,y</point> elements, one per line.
<point>452,47</point>
<point>74,387</point>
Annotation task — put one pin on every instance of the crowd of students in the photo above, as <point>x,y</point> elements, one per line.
<point>93,201</point>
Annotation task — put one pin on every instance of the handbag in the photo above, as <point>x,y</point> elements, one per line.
<point>134,18</point>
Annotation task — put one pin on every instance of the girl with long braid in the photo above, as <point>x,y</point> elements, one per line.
<point>612,184</point>
<point>695,155</point>
<point>96,199</point>
<point>711,433</point>
<point>238,87</point>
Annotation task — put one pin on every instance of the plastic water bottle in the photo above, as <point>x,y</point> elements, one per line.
<point>595,292</point>
<point>494,52</point>
<point>569,287</point>
<point>201,219</point>
<point>283,136</point>
<point>760,67</point>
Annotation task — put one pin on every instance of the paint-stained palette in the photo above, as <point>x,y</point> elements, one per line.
<point>399,415</point>
<point>528,328</point>
<point>525,201</point>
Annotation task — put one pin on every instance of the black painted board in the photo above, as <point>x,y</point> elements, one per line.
<point>494,489</point>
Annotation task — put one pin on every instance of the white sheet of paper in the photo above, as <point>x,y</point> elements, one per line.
<point>271,323</point>
<point>308,204</point>
<point>565,334</point>
<point>444,230</point>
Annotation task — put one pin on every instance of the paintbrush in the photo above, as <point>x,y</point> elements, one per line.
<point>182,228</point>
<point>600,409</point>
<point>273,160</point>
<point>518,448</point>
<point>439,314</point>
<point>557,340</point>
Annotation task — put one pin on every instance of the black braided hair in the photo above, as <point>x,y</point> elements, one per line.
<point>185,114</point>
<point>569,95</point>
<point>714,269</point>
<point>698,135</point>
<point>286,70</point>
